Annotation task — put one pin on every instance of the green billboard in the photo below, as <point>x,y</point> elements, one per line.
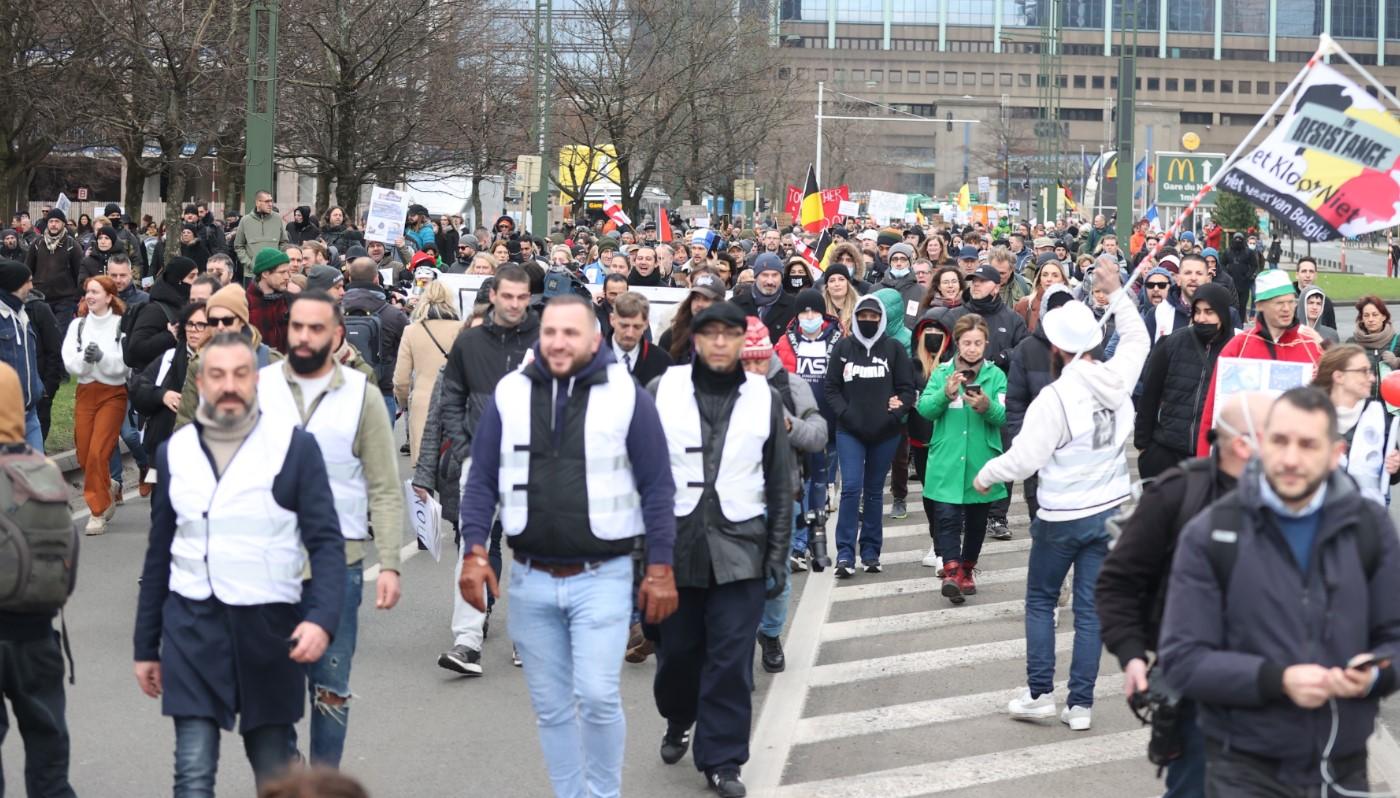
<point>1180,175</point>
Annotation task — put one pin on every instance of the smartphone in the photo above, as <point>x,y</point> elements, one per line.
<point>968,374</point>
<point>973,389</point>
<point>1367,662</point>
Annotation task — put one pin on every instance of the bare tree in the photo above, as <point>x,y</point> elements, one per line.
<point>42,85</point>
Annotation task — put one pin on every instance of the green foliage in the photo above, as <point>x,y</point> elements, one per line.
<point>1234,212</point>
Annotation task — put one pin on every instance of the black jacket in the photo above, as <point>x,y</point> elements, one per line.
<point>711,549</point>
<point>652,361</point>
<point>56,273</point>
<point>149,337</point>
<point>369,298</point>
<point>146,393</point>
<point>1028,371</point>
<point>1226,646</point>
<point>776,316</point>
<point>862,375</point>
<point>1131,590</point>
<point>50,337</point>
<point>1176,379</point>
<point>479,358</point>
<point>1242,264</point>
<point>1005,327</point>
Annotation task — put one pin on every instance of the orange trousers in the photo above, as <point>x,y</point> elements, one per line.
<point>98,410</point>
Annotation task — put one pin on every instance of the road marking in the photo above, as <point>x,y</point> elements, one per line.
<point>922,584</point>
<point>923,661</point>
<point>822,728</point>
<point>921,621</point>
<point>989,548</point>
<point>951,775</point>
<point>1384,758</point>
<point>787,694</point>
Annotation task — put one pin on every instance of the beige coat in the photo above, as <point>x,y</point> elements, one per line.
<point>416,371</point>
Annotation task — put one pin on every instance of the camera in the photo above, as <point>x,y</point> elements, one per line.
<point>1161,709</point>
<point>816,539</point>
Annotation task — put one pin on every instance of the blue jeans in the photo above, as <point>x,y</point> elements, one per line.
<point>775,611</point>
<point>392,405</point>
<point>1055,546</point>
<point>33,432</point>
<point>197,754</point>
<point>864,467</point>
<point>813,492</point>
<point>132,438</point>
<point>331,673</point>
<point>571,634</point>
<point>1186,777</point>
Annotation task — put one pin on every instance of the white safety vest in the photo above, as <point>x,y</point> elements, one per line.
<point>335,423</point>
<point>232,539</point>
<point>1089,474</point>
<point>739,485</point>
<point>1165,315</point>
<point>1365,458</point>
<point>614,506</point>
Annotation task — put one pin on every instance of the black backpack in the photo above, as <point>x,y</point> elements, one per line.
<point>1227,519</point>
<point>365,331</point>
<point>129,323</point>
<point>38,539</point>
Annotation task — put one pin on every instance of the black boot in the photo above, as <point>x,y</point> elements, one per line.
<point>773,659</point>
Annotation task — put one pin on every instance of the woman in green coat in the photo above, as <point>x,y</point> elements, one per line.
<point>964,398</point>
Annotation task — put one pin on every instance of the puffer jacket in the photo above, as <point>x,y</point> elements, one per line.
<point>1176,378</point>
<point>478,359</point>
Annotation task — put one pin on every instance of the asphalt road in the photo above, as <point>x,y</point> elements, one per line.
<point>889,692</point>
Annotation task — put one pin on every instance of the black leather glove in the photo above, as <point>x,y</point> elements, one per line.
<point>775,577</point>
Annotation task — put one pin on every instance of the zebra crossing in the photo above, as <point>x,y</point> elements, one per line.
<point>892,692</point>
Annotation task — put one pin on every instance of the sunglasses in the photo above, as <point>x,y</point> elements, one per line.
<point>1158,286</point>
<point>222,321</point>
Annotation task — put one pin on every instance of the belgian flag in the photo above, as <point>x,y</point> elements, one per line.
<point>811,215</point>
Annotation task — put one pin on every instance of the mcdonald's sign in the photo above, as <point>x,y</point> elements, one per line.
<point>1181,175</point>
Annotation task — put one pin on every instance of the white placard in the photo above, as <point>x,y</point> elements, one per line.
<point>426,517</point>
<point>387,210</point>
<point>700,221</point>
<point>1013,207</point>
<point>885,206</point>
<point>911,218</point>
<point>63,204</point>
<point>984,187</point>
<point>848,208</point>
<point>1240,375</point>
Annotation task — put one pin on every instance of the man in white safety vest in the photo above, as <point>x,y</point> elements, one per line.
<point>1073,439</point>
<point>345,411</point>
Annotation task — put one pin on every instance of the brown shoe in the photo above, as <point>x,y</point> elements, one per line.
<point>143,487</point>
<point>638,647</point>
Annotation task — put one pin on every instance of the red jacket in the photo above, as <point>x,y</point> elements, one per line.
<point>1255,344</point>
<point>269,316</point>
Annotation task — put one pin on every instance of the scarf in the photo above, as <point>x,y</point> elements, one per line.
<point>52,243</point>
<point>986,307</point>
<point>764,300</point>
<point>1376,340</point>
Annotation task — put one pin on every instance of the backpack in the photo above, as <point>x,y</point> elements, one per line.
<point>128,323</point>
<point>1227,518</point>
<point>38,539</point>
<point>365,332</point>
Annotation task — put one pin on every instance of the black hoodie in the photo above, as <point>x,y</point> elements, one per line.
<point>861,376</point>
<point>1176,378</point>
<point>306,230</point>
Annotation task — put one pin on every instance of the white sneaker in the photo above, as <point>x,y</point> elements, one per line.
<point>1077,718</point>
<point>96,525</point>
<point>932,560</point>
<point>1023,707</point>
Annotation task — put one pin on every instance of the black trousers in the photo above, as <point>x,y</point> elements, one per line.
<point>1156,459</point>
<point>31,679</point>
<point>704,669</point>
<point>1235,774</point>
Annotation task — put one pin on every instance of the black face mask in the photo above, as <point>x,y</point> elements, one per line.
<point>868,327</point>
<point>1204,332</point>
<point>797,281</point>
<point>933,343</point>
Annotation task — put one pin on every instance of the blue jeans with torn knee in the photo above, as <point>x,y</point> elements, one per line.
<point>331,673</point>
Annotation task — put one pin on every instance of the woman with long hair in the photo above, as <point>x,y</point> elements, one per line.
<point>840,294</point>
<point>945,290</point>
<point>963,398</point>
<point>501,252</point>
<point>705,290</point>
<point>933,346</point>
<point>1346,374</point>
<point>483,264</point>
<point>92,353</point>
<point>156,390</point>
<point>423,350</point>
<point>1377,337</point>
<point>936,251</point>
<point>1028,307</point>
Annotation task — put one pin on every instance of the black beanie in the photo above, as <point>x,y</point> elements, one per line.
<point>191,209</point>
<point>112,208</point>
<point>56,214</point>
<point>888,237</point>
<point>810,299</point>
<point>838,268</point>
<point>13,274</point>
<point>177,269</point>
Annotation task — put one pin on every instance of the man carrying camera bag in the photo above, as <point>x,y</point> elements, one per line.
<point>1132,587</point>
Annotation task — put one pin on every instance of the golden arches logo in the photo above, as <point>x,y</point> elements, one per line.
<point>1181,170</point>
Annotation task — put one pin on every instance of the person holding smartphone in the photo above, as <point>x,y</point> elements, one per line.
<point>965,399</point>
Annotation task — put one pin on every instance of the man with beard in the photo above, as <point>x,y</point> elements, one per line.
<point>345,412</point>
<point>766,299</point>
<point>1282,618</point>
<point>11,247</point>
<point>1005,329</point>
<point>55,260</point>
<point>267,297</point>
<point>479,358</point>
<point>225,624</point>
<point>220,267</point>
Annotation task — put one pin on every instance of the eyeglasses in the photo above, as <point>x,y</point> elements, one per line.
<point>223,321</point>
<point>1359,370</point>
<point>1158,286</point>
<point>197,326</point>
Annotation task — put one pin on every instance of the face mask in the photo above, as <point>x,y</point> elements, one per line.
<point>868,327</point>
<point>810,326</point>
<point>898,272</point>
<point>797,282</point>
<point>933,343</point>
<point>1204,332</point>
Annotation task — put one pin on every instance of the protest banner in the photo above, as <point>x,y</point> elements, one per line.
<point>885,206</point>
<point>387,210</point>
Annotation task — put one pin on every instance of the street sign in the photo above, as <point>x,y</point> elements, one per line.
<point>744,190</point>
<point>1180,175</point>
<point>82,195</point>
<point>527,173</point>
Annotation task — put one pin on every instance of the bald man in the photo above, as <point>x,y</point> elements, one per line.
<point>1131,590</point>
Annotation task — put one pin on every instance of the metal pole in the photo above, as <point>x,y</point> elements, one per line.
<point>967,140</point>
<point>821,89</point>
<point>261,116</point>
<point>539,201</point>
<point>1127,97</point>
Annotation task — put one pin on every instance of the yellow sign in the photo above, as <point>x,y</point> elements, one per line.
<point>581,167</point>
<point>1181,170</point>
<point>1190,141</point>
